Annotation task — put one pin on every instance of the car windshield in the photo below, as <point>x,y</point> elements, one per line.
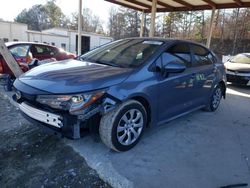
<point>127,53</point>
<point>241,58</point>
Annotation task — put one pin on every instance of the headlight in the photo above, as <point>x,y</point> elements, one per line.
<point>54,101</point>
<point>73,103</point>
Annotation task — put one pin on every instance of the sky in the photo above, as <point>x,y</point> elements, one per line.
<point>9,9</point>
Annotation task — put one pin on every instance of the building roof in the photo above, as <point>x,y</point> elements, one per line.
<point>43,33</point>
<point>10,22</point>
<point>181,5</point>
<point>74,31</point>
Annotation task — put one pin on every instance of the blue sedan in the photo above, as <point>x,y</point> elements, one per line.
<point>121,88</point>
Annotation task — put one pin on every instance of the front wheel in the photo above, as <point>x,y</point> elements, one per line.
<point>215,99</point>
<point>122,128</point>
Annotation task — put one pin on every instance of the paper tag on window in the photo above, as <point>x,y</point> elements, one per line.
<point>152,42</point>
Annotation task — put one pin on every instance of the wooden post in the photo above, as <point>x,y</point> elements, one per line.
<point>153,13</point>
<point>211,28</point>
<point>10,60</point>
<point>79,42</point>
<point>142,24</point>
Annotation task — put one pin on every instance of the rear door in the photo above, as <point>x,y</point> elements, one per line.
<point>204,68</point>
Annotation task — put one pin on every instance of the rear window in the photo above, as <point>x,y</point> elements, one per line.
<point>19,50</point>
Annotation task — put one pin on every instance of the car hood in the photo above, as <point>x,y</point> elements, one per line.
<point>237,66</point>
<point>72,76</point>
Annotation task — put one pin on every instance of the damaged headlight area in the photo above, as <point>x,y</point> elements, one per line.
<point>72,103</point>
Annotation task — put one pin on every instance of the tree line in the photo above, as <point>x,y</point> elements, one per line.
<point>231,28</point>
<point>231,33</point>
<point>40,17</point>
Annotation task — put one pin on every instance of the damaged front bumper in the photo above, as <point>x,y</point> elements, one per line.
<point>62,123</point>
<point>42,116</point>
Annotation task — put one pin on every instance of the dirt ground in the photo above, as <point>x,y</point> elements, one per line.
<point>31,158</point>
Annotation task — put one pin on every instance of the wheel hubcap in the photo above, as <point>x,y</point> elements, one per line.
<point>130,127</point>
<point>216,98</point>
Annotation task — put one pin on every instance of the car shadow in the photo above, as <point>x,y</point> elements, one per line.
<point>243,89</point>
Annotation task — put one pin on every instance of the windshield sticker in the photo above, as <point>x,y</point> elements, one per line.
<point>152,42</point>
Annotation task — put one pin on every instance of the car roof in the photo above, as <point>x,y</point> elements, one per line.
<point>21,42</point>
<point>167,40</point>
<point>247,54</point>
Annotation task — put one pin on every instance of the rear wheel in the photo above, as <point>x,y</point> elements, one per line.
<point>215,99</point>
<point>122,128</point>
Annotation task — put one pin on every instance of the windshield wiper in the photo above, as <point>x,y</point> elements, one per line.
<point>99,62</point>
<point>106,63</point>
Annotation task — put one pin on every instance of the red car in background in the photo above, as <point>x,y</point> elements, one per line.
<point>25,52</point>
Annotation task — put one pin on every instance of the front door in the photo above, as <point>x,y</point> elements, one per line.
<point>176,90</point>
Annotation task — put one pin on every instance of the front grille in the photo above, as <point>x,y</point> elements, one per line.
<point>238,71</point>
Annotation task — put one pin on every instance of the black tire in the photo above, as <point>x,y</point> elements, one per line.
<point>108,129</point>
<point>216,96</point>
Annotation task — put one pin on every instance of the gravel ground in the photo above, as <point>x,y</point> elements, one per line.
<point>31,158</point>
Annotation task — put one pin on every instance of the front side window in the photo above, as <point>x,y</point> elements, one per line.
<point>19,50</point>
<point>179,53</point>
<point>123,53</point>
<point>202,56</point>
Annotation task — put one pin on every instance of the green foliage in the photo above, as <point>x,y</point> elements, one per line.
<point>40,17</point>
<point>91,22</point>
<point>124,22</point>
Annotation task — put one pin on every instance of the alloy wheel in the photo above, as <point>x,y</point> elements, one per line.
<point>130,127</point>
<point>216,97</point>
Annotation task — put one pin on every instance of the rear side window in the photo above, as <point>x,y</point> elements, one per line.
<point>177,53</point>
<point>202,56</point>
<point>241,58</point>
<point>42,50</point>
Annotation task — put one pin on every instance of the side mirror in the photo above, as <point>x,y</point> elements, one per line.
<point>174,67</point>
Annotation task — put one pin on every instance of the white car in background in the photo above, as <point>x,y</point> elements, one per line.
<point>238,69</point>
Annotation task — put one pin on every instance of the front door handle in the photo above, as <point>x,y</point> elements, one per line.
<point>193,76</point>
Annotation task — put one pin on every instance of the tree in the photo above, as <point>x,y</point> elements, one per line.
<point>53,13</point>
<point>40,17</point>
<point>91,22</point>
<point>171,24</point>
<point>124,22</point>
<point>117,24</point>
